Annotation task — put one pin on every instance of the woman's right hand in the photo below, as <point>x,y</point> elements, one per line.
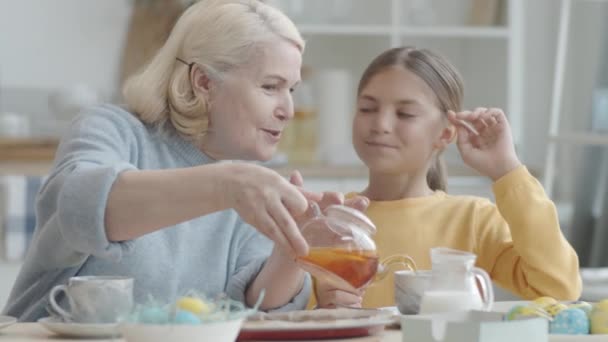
<point>268,202</point>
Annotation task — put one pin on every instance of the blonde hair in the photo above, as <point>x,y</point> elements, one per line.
<point>439,74</point>
<point>216,35</point>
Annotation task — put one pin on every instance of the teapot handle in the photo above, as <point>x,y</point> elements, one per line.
<point>396,259</point>
<point>486,290</point>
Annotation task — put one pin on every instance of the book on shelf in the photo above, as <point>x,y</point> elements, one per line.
<point>486,12</point>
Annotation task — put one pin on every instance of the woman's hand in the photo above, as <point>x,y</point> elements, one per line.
<point>329,297</point>
<point>268,202</point>
<point>327,198</point>
<point>281,276</point>
<point>271,204</point>
<point>491,151</point>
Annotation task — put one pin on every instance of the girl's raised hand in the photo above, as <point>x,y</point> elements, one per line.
<point>490,150</point>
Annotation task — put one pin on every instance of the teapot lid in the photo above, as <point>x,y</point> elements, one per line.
<point>353,215</point>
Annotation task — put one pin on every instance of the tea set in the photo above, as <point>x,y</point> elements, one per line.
<point>94,299</point>
<point>96,304</point>
<point>342,252</point>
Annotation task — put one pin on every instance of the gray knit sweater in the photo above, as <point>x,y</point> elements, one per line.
<point>216,253</point>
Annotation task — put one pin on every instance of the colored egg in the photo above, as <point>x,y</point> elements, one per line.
<point>514,312</point>
<point>525,312</point>
<point>543,302</point>
<point>194,305</point>
<point>153,315</point>
<point>186,317</point>
<point>602,305</point>
<point>571,321</point>
<point>599,320</point>
<point>554,309</point>
<point>587,307</point>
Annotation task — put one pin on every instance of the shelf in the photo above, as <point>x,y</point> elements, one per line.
<point>42,167</point>
<point>358,30</point>
<point>29,168</point>
<point>26,149</point>
<point>447,31</point>
<point>323,171</point>
<point>582,138</point>
<point>356,171</point>
<point>456,32</point>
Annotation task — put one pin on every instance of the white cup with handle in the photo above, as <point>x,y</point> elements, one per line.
<point>94,299</point>
<point>409,288</point>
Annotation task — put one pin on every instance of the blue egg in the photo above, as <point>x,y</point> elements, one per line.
<point>571,321</point>
<point>585,306</point>
<point>186,317</point>
<point>153,315</point>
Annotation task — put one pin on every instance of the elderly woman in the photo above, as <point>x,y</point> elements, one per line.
<point>141,191</point>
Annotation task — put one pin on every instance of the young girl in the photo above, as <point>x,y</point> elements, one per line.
<point>408,110</point>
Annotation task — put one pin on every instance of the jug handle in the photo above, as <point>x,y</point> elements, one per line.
<point>486,290</point>
<point>397,259</point>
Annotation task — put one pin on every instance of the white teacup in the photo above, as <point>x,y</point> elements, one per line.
<point>95,299</point>
<point>409,288</point>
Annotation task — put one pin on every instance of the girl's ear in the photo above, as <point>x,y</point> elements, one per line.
<point>448,134</point>
<point>201,82</point>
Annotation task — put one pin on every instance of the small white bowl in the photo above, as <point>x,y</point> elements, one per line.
<point>223,331</point>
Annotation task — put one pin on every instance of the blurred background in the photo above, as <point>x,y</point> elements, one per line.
<point>544,61</point>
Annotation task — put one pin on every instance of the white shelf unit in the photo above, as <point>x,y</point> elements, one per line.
<point>490,58</point>
<point>556,135</point>
<point>445,31</point>
<point>576,164</point>
<point>456,32</point>
<point>352,30</point>
<point>580,138</point>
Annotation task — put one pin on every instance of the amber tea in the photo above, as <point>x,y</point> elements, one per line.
<point>355,267</point>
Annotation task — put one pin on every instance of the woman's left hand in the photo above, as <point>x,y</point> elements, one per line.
<point>491,151</point>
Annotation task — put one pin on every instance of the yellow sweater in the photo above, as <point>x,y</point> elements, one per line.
<point>518,241</point>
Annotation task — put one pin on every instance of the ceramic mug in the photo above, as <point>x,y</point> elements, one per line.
<point>409,288</point>
<point>95,299</point>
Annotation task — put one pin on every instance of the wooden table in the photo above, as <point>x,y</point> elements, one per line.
<point>31,332</point>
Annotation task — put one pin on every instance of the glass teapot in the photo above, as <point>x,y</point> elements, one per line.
<point>341,249</point>
<point>456,284</point>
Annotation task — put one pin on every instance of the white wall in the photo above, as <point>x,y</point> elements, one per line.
<point>50,44</point>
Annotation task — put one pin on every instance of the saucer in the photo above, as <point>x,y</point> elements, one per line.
<point>62,328</point>
<point>5,321</point>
